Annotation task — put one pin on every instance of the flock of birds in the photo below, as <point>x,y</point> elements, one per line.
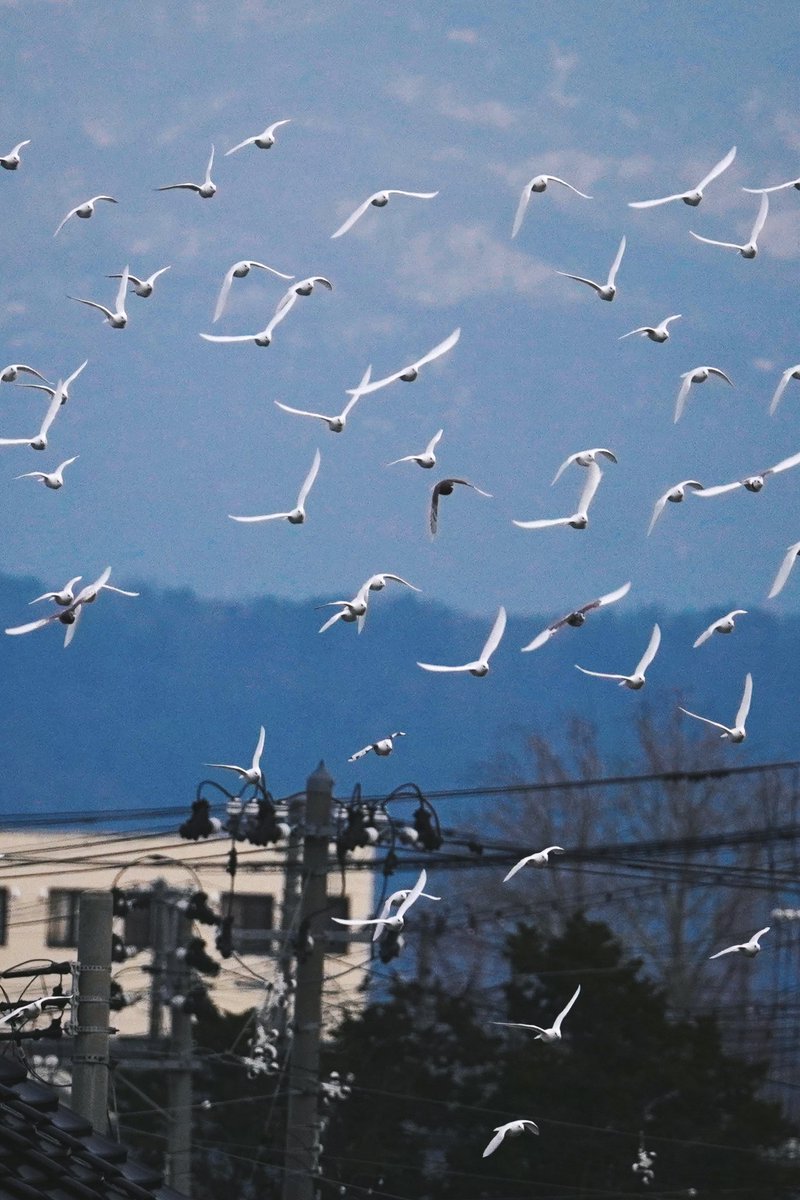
<point>69,602</point>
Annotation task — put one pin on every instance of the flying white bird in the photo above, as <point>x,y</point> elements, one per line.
<point>445,488</point>
<point>577,617</point>
<point>540,859</point>
<point>62,387</point>
<point>607,290</point>
<point>335,424</point>
<point>39,440</point>
<point>656,333</point>
<point>399,896</point>
<point>695,195</point>
<point>394,920</point>
<point>84,210</point>
<point>538,184</point>
<point>264,140</point>
<point>736,733</point>
<point>636,680</point>
<point>753,483</point>
<point>63,597</point>
<point>379,200</point>
<point>297,515</point>
<point>675,495</point>
<point>787,563</point>
<point>724,624</point>
<point>750,247</point>
<point>303,288</point>
<point>143,287</point>
<point>117,318</point>
<point>749,949</point>
<point>9,374</point>
<point>238,271</point>
<point>553,1034</point>
<point>206,189</point>
<point>696,375</point>
<point>777,187</point>
<point>356,609</point>
<point>382,747</point>
<point>578,519</point>
<point>72,611</point>
<point>480,666</point>
<point>584,458</point>
<point>788,374</point>
<point>52,479</point>
<point>252,774</point>
<point>426,459</point>
<point>510,1129</point>
<point>376,583</point>
<point>11,161</point>
<point>410,373</point>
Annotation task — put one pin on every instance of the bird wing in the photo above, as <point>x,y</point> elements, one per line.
<point>93,304</point>
<point>727,950</point>
<point>244,337</point>
<point>659,507</point>
<point>631,332</point>
<point>356,394</point>
<point>721,166</point>
<point>680,403</point>
<point>600,674</point>
<point>226,767</point>
<point>563,467</point>
<point>62,223</point>
<point>351,220</point>
<point>612,274</point>
<point>356,921</point>
<point>707,633</point>
<point>241,145</point>
<point>653,203</point>
<point>580,279</point>
<point>517,867</point>
<point>493,640</point>
<point>15,441</point>
<point>437,351</point>
<point>650,652</point>
<point>416,195</point>
<point>519,1025</point>
<point>719,489</point>
<point>433,514</point>
<point>594,475</point>
<point>744,707</point>
<point>254,520</point>
<point>720,374</point>
<point>121,290</point>
<point>565,1009</point>
<point>270,130</point>
<point>66,463</point>
<point>778,187</point>
<point>19,146</point>
<point>433,667</point>
<point>784,464</point>
<point>71,378</point>
<point>172,187</point>
<point>783,571</point>
<point>52,412</point>
<point>712,242</point>
<point>563,182</point>
<point>32,475</point>
<point>272,271</point>
<point>415,892</point>
<point>223,292</point>
<point>72,629</point>
<point>550,523</point>
<point>761,217</point>
<point>399,579</point>
<point>760,933</point>
<point>543,637</point>
<point>610,597</point>
<point>31,625</point>
<point>309,480</point>
<point>434,442</point>
<point>208,168</point>
<point>259,750</point>
<point>705,720</point>
<point>495,1142</point>
<point>156,274</point>
<point>109,587</point>
<point>300,412</point>
<point>524,201</point>
<point>354,758</point>
<point>91,590</point>
<point>781,388</point>
<point>332,620</point>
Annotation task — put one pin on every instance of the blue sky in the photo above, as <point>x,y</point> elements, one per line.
<point>626,100</point>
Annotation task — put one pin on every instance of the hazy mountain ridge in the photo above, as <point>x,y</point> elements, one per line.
<point>152,688</point>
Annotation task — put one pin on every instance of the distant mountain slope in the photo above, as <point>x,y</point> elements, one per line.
<point>152,688</point>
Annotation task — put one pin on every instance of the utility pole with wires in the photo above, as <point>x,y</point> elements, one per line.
<point>302,1123</point>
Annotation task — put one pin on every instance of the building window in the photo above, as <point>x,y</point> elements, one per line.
<point>62,916</point>
<point>252,921</point>
<point>3,916</point>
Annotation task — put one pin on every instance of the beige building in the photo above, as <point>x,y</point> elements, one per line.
<point>42,875</point>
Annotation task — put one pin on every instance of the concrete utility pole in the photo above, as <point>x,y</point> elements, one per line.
<point>179,1080</point>
<point>90,1060</point>
<point>302,1123</point>
<point>290,906</point>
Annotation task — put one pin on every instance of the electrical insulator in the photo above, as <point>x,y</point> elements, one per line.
<point>200,824</point>
<point>119,951</point>
<point>224,938</point>
<point>194,955</point>
<point>262,826</point>
<point>390,945</point>
<point>195,1003</point>
<point>117,999</point>
<point>197,908</point>
<point>428,832</point>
